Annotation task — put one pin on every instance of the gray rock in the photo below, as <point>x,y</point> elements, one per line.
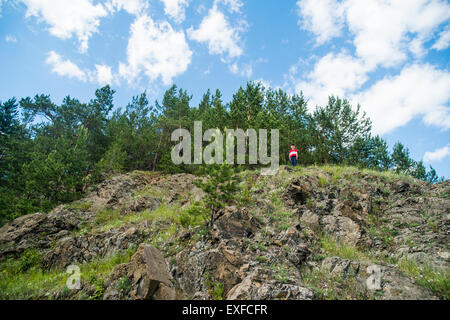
<point>147,275</point>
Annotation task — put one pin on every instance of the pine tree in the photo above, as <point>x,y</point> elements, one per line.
<point>337,126</point>
<point>400,159</point>
<point>220,187</point>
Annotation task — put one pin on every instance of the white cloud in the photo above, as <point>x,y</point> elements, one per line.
<point>234,6</point>
<point>10,38</point>
<point>419,90</point>
<point>245,70</point>
<point>383,30</point>
<point>68,18</point>
<point>324,18</point>
<point>175,9</point>
<point>216,31</point>
<point>332,75</point>
<point>443,41</point>
<point>65,67</point>
<point>156,50</point>
<point>131,6</point>
<point>102,75</point>
<point>437,155</point>
<point>384,34</point>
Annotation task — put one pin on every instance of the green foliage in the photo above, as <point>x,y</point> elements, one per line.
<point>30,258</point>
<point>195,215</point>
<point>220,187</point>
<point>23,278</point>
<point>432,176</point>
<point>113,160</point>
<point>400,158</point>
<point>124,285</point>
<point>98,283</point>
<point>50,154</point>
<point>215,289</point>
<point>338,127</point>
<point>58,176</point>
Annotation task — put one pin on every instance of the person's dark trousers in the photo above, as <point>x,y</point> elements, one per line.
<point>294,161</point>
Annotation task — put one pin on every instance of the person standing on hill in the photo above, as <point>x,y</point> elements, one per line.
<point>293,155</point>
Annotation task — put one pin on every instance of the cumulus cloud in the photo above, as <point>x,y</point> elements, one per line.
<point>437,155</point>
<point>131,6</point>
<point>337,74</point>
<point>102,75</point>
<point>383,30</point>
<point>68,18</point>
<point>384,34</point>
<point>215,30</point>
<point>65,67</point>
<point>444,40</point>
<point>175,9</point>
<point>419,90</point>
<point>234,6</point>
<point>155,50</point>
<point>324,18</point>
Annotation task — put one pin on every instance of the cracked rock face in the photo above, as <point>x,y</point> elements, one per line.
<point>252,251</point>
<point>85,248</point>
<point>39,230</point>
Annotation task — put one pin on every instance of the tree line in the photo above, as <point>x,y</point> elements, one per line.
<point>50,154</point>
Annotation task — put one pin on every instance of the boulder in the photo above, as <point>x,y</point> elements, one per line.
<point>146,276</point>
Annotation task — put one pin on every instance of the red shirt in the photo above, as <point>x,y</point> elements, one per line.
<point>293,153</point>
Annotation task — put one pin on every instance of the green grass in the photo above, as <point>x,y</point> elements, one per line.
<point>281,272</point>
<point>280,215</point>
<point>215,289</point>
<point>340,171</point>
<point>427,276</point>
<point>323,181</point>
<point>424,274</point>
<point>79,205</point>
<point>108,219</point>
<point>35,283</point>
<point>343,250</point>
<point>333,286</point>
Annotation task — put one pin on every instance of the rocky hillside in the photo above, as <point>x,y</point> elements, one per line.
<point>304,233</point>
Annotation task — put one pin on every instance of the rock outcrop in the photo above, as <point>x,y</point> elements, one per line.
<point>300,234</point>
<point>85,248</point>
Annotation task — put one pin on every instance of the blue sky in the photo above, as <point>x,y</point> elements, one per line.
<point>391,57</point>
